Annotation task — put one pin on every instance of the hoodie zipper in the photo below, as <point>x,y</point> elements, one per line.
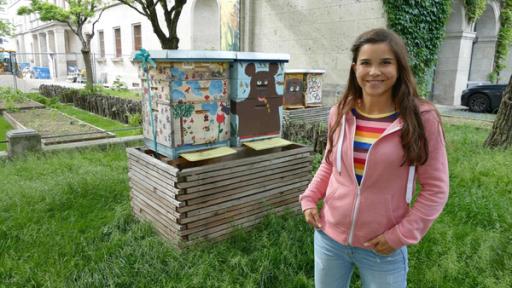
<point>358,189</point>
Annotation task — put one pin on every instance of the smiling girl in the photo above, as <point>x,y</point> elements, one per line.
<point>382,137</point>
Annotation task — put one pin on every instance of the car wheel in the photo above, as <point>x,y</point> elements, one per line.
<point>479,103</point>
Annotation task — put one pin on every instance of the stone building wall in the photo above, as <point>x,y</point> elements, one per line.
<point>316,34</point>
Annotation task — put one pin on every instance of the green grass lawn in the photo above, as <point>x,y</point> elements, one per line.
<point>126,94</point>
<point>4,127</point>
<point>66,222</point>
<point>98,121</point>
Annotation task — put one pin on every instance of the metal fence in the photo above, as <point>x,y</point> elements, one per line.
<point>68,68</point>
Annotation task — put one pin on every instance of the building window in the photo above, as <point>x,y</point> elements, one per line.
<point>101,37</point>
<point>137,37</point>
<point>117,36</point>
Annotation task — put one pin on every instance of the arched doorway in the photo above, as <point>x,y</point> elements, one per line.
<point>454,58</point>
<point>482,57</point>
<point>205,25</point>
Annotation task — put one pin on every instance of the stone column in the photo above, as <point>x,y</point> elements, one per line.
<point>43,44</point>
<point>60,50</point>
<point>36,51</point>
<point>483,58</point>
<point>452,72</point>
<point>21,141</point>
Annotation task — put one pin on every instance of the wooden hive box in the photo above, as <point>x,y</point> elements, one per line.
<point>257,86</point>
<point>185,104</point>
<point>303,88</point>
<point>187,202</point>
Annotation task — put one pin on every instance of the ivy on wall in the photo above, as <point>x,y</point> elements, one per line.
<point>503,42</point>
<point>474,9</point>
<point>421,23</point>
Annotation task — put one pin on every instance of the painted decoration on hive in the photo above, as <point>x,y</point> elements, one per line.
<point>146,127</point>
<point>294,91</point>
<point>314,89</point>
<point>189,106</point>
<point>230,25</point>
<point>257,100</point>
<point>202,123</point>
<point>199,82</point>
<point>199,70</point>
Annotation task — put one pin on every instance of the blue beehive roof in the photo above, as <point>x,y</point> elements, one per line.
<point>222,56</point>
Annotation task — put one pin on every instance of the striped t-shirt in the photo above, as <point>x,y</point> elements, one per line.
<point>368,129</point>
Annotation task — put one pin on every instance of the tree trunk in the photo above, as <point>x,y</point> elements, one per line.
<point>86,53</point>
<point>169,42</point>
<point>501,134</point>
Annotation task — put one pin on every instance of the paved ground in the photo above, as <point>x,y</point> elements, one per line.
<point>31,85</point>
<point>463,112</point>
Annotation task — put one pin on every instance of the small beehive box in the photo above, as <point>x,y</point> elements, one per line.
<point>188,202</point>
<point>186,104</point>
<point>303,88</point>
<point>256,96</point>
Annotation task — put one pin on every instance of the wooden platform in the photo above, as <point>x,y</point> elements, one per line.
<point>308,115</point>
<point>188,202</point>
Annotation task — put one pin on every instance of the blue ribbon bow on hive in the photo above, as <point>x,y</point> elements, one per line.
<point>144,58</point>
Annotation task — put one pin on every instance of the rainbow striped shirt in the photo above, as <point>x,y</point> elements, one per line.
<point>368,129</point>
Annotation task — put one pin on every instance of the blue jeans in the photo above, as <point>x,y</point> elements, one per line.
<point>335,262</point>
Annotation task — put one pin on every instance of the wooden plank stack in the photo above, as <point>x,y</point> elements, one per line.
<point>188,202</point>
<point>307,115</point>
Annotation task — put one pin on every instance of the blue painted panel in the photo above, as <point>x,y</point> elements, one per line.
<point>199,90</point>
<point>239,90</point>
<point>244,72</point>
<point>41,72</point>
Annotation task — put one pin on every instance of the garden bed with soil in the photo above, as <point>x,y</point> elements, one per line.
<point>24,105</point>
<point>54,126</point>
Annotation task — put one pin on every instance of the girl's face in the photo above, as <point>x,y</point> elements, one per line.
<point>376,70</point>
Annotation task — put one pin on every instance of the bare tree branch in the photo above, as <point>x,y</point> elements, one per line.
<point>72,28</point>
<point>98,19</point>
<point>148,8</point>
<point>129,4</point>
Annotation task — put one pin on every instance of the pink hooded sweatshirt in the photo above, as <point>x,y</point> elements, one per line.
<point>352,214</point>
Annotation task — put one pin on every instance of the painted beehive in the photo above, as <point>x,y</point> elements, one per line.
<point>294,91</point>
<point>303,87</point>
<point>256,96</point>
<point>185,104</point>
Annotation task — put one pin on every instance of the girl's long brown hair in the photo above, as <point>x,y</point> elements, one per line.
<point>404,95</point>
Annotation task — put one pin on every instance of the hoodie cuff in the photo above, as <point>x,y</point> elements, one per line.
<point>393,238</point>
<point>307,204</point>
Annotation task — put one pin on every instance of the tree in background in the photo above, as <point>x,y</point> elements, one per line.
<point>503,42</point>
<point>76,15</point>
<point>6,28</point>
<point>151,8</point>
<point>501,134</point>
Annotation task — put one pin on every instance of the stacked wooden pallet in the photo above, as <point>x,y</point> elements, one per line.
<point>308,115</point>
<point>187,202</point>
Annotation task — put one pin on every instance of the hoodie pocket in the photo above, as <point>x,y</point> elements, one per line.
<point>337,210</point>
<point>328,196</point>
<point>396,212</point>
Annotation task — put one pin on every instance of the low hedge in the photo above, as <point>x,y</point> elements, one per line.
<point>108,106</point>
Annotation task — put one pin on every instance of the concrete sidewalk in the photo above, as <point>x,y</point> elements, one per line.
<point>463,112</point>
<point>32,85</point>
